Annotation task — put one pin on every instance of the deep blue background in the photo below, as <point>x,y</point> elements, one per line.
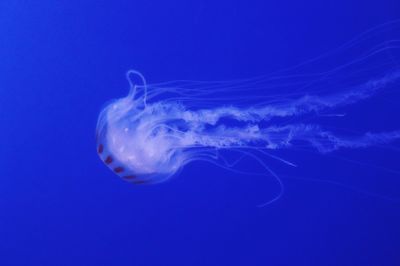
<point>60,61</point>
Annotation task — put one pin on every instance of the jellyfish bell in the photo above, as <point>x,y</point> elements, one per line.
<point>131,142</point>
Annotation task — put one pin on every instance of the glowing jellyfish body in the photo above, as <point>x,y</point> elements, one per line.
<point>149,135</point>
<point>132,143</point>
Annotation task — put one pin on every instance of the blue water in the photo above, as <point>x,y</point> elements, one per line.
<point>59,205</point>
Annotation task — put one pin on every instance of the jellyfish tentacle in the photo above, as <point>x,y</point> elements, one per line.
<point>133,86</point>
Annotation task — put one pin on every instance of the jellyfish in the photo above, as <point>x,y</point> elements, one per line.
<point>149,135</point>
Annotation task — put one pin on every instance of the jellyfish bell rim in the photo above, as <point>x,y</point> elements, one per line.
<point>119,168</point>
